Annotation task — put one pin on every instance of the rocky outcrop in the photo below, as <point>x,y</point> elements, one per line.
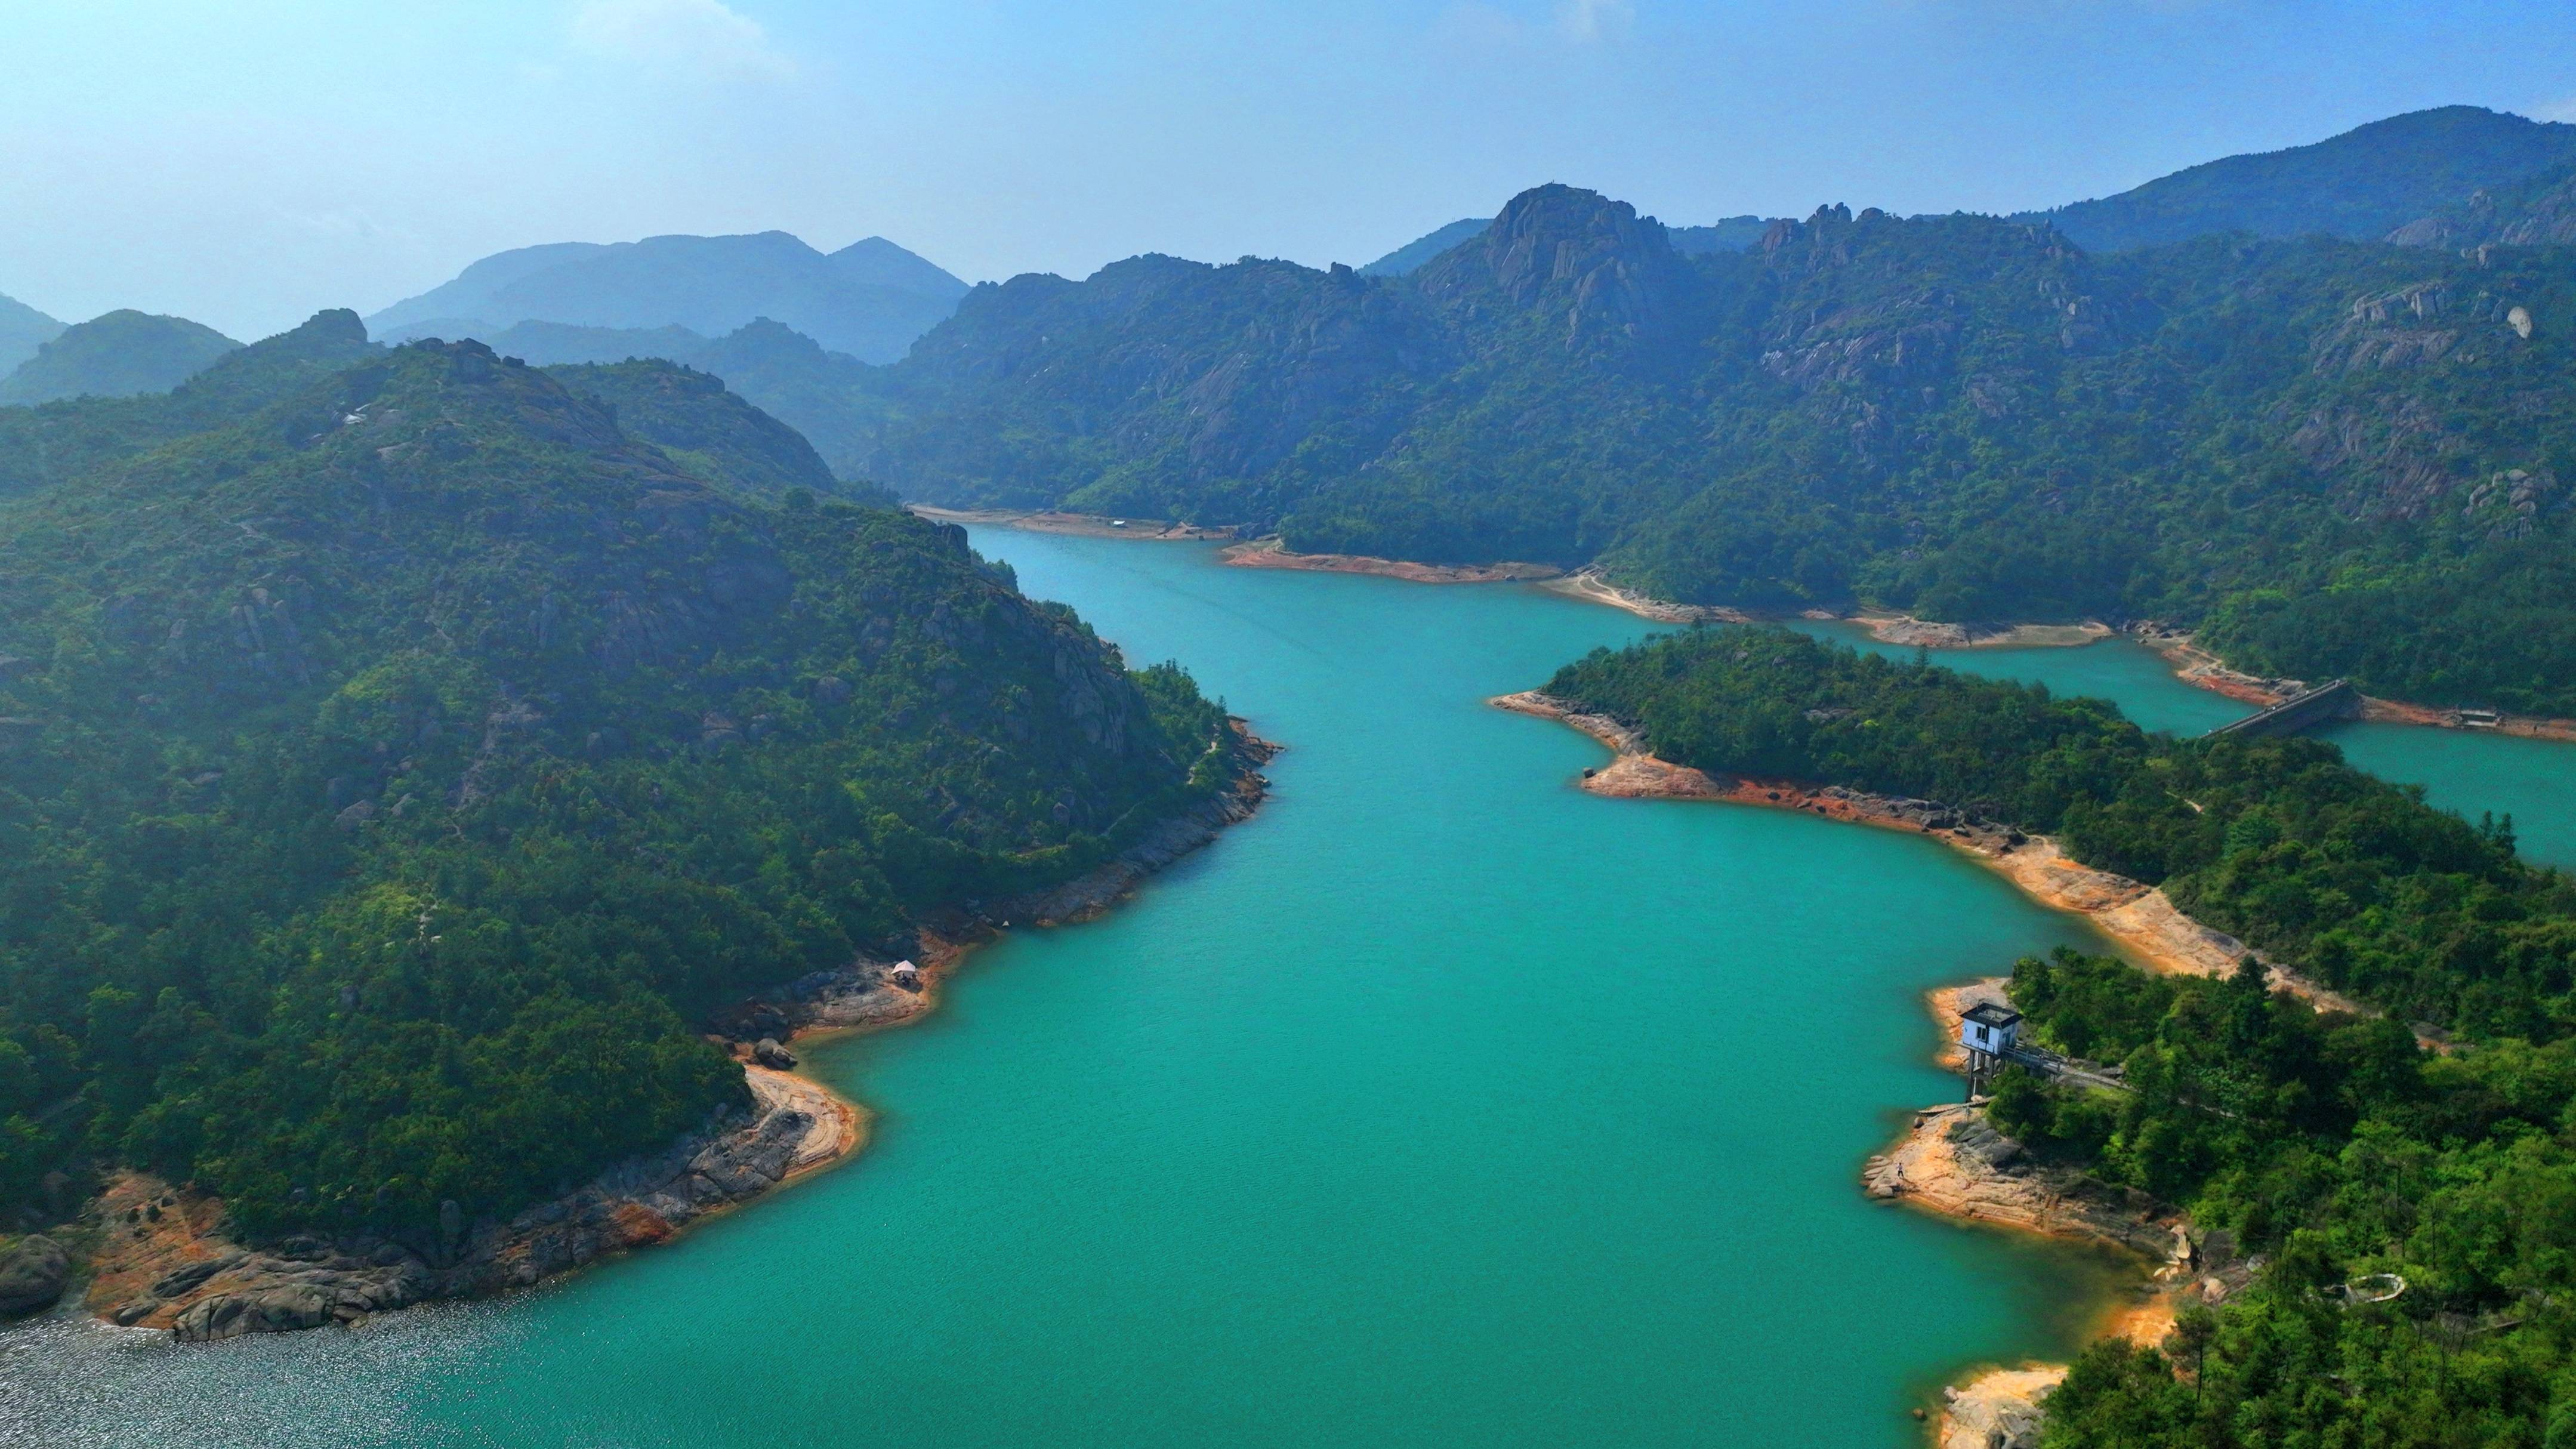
<point>1997,1410</point>
<point>1953,1162</point>
<point>167,1262</point>
<point>33,1273</point>
<point>1587,263</point>
<point>2538,211</point>
<point>1931,634</point>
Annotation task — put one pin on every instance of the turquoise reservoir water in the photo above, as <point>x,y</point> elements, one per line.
<point>1441,1104</point>
<point>2532,780</point>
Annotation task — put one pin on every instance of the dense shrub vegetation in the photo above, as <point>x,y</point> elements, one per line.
<point>394,779</point>
<point>2333,1146</point>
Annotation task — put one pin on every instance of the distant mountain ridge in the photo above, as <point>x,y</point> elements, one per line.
<point>120,354</point>
<point>2359,185</point>
<point>870,299</point>
<point>1733,234</point>
<point>23,329</point>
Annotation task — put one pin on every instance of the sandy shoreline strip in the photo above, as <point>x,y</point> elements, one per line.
<point>2147,925</point>
<point>1270,553</point>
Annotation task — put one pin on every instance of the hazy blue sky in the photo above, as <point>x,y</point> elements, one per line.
<point>244,163</point>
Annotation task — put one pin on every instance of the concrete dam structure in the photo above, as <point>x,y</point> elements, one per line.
<point>2330,701</point>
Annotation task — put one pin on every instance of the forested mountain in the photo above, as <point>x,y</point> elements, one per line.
<point>118,355</point>
<point>828,396</point>
<point>869,299</point>
<point>23,329</point>
<point>2344,457</point>
<point>49,444</point>
<point>2359,185</point>
<point>398,772</point>
<point>711,432</point>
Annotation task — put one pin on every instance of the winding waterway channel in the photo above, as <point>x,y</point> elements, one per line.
<point>1440,1104</point>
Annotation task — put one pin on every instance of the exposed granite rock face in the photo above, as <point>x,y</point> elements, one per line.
<point>2000,1410</point>
<point>1560,252</point>
<point>33,1272</point>
<point>1954,1163</point>
<point>2417,325</point>
<point>2540,211</point>
<point>307,1281</point>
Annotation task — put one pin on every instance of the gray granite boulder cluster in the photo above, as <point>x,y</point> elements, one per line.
<point>33,1271</point>
<point>1930,815</point>
<point>307,1282</point>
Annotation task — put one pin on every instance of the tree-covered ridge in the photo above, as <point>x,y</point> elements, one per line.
<point>2346,878</point>
<point>116,355</point>
<point>2328,1146</point>
<point>395,777</point>
<point>1963,417</point>
<point>23,329</point>
<point>2333,1150</point>
<point>710,431</point>
<point>57,441</point>
<point>2357,185</point>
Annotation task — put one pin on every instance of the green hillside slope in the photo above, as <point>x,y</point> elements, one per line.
<point>23,329</point>
<point>117,355</point>
<point>396,777</point>
<point>49,444</point>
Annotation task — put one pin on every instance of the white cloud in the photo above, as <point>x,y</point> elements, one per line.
<point>696,35</point>
<point>1590,20</point>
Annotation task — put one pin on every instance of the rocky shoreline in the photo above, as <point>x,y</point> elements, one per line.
<point>1927,634</point>
<point>1270,553</point>
<point>1952,1162</point>
<point>2139,917</point>
<point>164,1260</point>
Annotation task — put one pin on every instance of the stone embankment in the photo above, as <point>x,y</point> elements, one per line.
<point>166,1260</point>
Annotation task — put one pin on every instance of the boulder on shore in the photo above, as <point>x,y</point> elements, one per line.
<point>33,1273</point>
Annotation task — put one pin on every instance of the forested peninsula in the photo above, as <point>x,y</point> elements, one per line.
<point>410,754</point>
<point>2409,1277</point>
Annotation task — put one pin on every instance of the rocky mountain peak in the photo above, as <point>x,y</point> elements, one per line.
<point>1562,249</point>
